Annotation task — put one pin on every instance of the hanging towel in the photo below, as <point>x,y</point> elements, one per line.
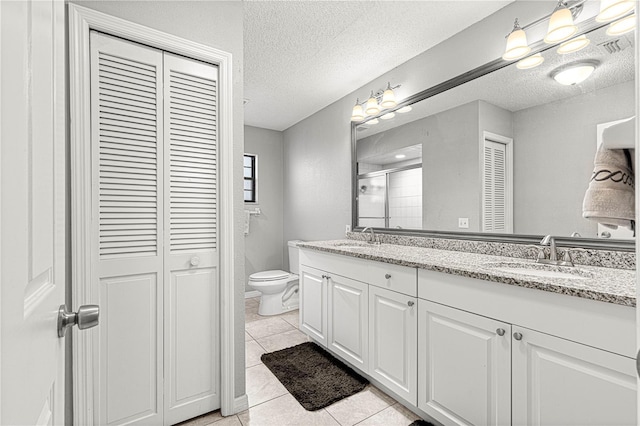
<point>610,198</point>
<point>247,219</point>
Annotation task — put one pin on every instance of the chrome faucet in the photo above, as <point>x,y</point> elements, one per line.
<point>372,239</point>
<point>553,253</point>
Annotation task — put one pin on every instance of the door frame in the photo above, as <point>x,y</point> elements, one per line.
<point>81,21</point>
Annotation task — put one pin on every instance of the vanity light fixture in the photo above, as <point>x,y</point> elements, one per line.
<point>404,109</point>
<point>357,114</point>
<point>517,46</point>
<point>622,26</point>
<point>388,116</point>
<point>573,45</point>
<point>388,98</point>
<point>574,73</point>
<point>374,121</point>
<point>372,107</point>
<point>611,10</point>
<point>561,25</point>
<point>530,62</point>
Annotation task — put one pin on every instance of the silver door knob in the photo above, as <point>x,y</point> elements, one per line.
<point>195,261</point>
<point>517,336</point>
<point>387,276</point>
<point>500,331</point>
<point>86,317</point>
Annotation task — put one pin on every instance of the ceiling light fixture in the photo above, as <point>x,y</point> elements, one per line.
<point>622,26</point>
<point>574,73</point>
<point>561,25</point>
<point>404,109</point>
<point>517,46</point>
<point>530,62</point>
<point>377,101</point>
<point>574,45</point>
<point>611,10</point>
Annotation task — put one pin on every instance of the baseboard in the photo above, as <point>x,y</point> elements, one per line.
<point>253,293</point>
<point>240,404</point>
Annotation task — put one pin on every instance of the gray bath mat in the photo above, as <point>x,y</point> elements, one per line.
<point>313,376</point>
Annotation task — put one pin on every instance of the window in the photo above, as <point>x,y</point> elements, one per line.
<point>250,192</point>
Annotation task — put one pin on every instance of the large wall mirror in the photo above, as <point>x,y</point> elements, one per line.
<point>511,137</point>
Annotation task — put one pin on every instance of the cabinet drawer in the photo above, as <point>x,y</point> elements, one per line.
<point>384,275</point>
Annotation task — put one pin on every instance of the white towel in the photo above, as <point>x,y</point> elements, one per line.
<point>247,219</point>
<point>610,198</point>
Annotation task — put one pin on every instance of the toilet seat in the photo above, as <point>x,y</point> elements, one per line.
<point>272,275</point>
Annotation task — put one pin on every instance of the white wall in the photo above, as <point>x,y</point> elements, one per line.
<point>317,150</point>
<point>218,24</point>
<point>264,244</point>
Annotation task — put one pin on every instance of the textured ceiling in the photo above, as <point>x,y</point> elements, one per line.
<point>300,56</point>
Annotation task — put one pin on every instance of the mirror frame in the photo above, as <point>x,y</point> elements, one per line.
<point>537,47</point>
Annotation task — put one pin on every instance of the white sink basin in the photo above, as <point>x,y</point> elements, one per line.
<point>541,270</point>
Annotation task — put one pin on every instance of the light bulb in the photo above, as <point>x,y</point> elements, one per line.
<point>613,9</point>
<point>574,45</point>
<point>560,26</point>
<point>622,26</point>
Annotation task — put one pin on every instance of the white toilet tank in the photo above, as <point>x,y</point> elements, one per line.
<point>293,256</point>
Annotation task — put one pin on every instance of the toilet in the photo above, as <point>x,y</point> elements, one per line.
<point>278,289</point>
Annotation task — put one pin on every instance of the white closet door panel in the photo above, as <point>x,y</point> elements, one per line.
<point>494,187</point>
<point>130,364</point>
<point>127,135</point>
<point>191,367</point>
<point>127,149</point>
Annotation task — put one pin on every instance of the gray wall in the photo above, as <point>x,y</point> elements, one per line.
<point>264,244</point>
<point>317,150</point>
<point>566,145</point>
<point>218,24</point>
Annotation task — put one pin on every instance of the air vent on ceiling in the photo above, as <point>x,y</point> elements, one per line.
<point>615,45</point>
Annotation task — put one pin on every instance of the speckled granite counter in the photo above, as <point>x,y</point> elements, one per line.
<point>596,283</point>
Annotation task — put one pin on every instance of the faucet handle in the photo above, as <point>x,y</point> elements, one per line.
<point>566,255</point>
<point>540,251</point>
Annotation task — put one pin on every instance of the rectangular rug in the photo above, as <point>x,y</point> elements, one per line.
<point>313,376</point>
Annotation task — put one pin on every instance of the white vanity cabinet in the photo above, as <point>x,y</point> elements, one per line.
<point>464,366</point>
<point>497,354</point>
<point>369,319</point>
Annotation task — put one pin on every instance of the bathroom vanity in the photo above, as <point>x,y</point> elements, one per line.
<point>469,338</point>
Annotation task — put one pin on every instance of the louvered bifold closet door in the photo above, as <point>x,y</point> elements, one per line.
<point>191,367</point>
<point>494,205</point>
<point>127,170</point>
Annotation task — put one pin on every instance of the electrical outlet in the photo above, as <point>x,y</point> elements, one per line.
<point>463,222</point>
<point>347,229</point>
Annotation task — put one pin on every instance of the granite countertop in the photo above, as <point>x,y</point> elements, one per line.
<point>597,283</point>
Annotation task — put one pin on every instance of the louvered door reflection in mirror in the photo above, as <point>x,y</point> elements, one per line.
<point>154,147</point>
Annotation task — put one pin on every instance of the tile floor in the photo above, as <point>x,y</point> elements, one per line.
<point>271,404</point>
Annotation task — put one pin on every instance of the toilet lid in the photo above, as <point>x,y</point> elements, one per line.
<point>269,275</point>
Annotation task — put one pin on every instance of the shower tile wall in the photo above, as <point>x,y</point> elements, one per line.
<point>405,199</point>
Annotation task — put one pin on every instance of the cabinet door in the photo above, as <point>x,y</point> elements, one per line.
<point>348,320</point>
<point>393,341</point>
<point>464,366</point>
<point>559,382</point>
<point>313,304</point>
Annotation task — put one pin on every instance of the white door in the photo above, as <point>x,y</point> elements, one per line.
<point>559,382</point>
<point>393,341</point>
<point>313,304</point>
<point>32,211</point>
<point>464,366</point>
<point>348,320</point>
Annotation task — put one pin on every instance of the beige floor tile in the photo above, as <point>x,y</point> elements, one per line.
<point>262,385</point>
<point>284,411</point>
<point>396,415</point>
<point>252,353</point>
<point>360,406</point>
<point>267,327</point>
<point>247,337</point>
<point>205,419</point>
<point>291,317</point>
<point>228,421</point>
<point>282,340</point>
<point>252,309</point>
<point>252,301</point>
<point>250,317</point>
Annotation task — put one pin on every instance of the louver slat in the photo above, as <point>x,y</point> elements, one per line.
<point>128,157</point>
<point>192,133</point>
<point>494,190</point>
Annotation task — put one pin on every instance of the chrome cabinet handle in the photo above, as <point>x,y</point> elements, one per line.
<point>500,331</point>
<point>387,276</point>
<point>411,303</point>
<point>517,336</point>
<point>86,317</point>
